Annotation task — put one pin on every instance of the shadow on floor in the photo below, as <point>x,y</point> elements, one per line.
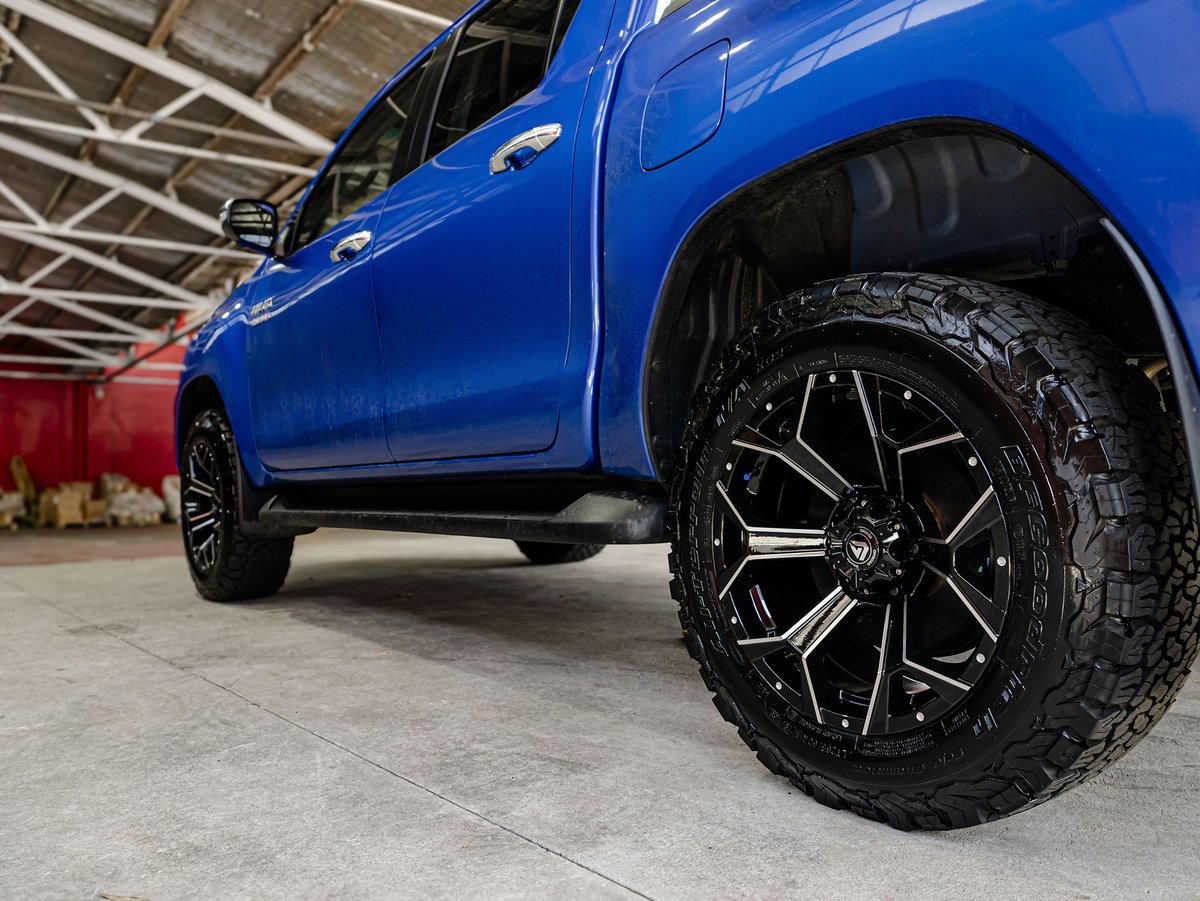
<point>450,608</point>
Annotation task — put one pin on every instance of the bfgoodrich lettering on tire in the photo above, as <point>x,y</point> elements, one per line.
<point>934,545</point>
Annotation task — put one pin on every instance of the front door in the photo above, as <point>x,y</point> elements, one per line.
<point>314,358</point>
<point>472,266</point>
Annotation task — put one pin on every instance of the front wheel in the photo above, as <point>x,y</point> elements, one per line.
<point>226,564</point>
<point>932,548</point>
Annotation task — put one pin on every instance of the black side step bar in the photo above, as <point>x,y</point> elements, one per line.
<point>601,517</point>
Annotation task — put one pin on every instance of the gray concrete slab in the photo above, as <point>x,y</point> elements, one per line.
<point>419,716</point>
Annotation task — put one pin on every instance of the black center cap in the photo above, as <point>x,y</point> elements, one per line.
<point>861,548</point>
<point>873,546</point>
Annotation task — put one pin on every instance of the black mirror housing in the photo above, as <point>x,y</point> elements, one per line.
<point>251,224</point>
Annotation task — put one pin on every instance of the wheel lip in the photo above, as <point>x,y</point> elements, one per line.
<point>752,401</point>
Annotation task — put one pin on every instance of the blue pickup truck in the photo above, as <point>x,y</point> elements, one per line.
<point>882,313</point>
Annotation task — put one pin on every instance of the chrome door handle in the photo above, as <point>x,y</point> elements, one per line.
<point>348,248</point>
<point>524,148</point>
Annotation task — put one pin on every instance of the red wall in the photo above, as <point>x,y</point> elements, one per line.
<point>130,430</point>
<point>39,421</point>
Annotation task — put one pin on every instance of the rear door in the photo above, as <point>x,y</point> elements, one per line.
<point>472,269</point>
<point>314,358</point>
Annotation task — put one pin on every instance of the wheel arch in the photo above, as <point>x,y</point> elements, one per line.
<point>834,212</point>
<point>196,395</point>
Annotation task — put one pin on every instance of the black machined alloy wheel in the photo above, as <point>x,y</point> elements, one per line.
<point>226,564</point>
<point>932,547</point>
<point>869,591</point>
<point>203,509</point>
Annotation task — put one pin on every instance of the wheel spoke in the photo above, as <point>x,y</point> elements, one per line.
<point>950,689</point>
<point>805,461</point>
<point>766,542</point>
<point>887,457</point>
<point>978,604</point>
<point>891,659</point>
<point>808,632</point>
<point>984,514</point>
<point>774,540</point>
<point>770,549</point>
<point>917,448</point>
<point>199,487</point>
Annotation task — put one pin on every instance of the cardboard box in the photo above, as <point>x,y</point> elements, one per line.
<point>95,513</point>
<point>83,489</point>
<point>66,509</point>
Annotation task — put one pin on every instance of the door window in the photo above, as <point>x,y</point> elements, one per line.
<point>367,164</point>
<point>501,56</point>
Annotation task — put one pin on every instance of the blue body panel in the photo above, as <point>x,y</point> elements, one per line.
<point>1103,89</point>
<point>314,365</point>
<point>473,284</point>
<point>1099,87</point>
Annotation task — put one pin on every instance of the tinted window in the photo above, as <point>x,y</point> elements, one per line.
<point>500,57</point>
<point>366,165</point>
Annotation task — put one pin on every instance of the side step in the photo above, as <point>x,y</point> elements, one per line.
<point>601,517</point>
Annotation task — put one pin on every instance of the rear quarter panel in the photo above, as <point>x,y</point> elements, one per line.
<point>1103,88</point>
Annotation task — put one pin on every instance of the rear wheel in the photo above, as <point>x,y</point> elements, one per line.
<point>226,564</point>
<point>546,552</point>
<point>932,548</point>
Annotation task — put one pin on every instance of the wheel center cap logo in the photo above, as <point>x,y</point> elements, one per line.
<point>862,548</point>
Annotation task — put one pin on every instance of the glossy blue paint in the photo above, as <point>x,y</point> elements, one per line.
<point>685,107</point>
<point>313,361</point>
<point>473,280</point>
<point>1102,89</point>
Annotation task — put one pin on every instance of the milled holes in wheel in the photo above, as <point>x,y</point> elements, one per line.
<point>202,508</point>
<point>860,553</point>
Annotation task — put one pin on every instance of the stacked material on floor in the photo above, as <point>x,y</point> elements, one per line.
<point>172,498</point>
<point>12,508</point>
<point>133,505</point>
<point>113,499</point>
<point>70,504</point>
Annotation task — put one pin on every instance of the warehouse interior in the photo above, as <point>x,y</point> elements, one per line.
<point>413,715</point>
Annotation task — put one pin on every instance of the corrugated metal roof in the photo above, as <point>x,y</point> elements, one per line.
<point>314,61</point>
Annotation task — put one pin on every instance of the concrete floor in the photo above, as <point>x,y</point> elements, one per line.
<point>428,717</point>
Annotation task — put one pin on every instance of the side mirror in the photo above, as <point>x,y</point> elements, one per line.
<point>252,224</point>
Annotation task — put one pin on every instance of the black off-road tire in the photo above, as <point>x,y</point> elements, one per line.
<point>1102,624</point>
<point>242,567</point>
<point>547,552</point>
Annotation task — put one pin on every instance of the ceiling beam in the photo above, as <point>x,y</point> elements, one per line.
<point>167,20</point>
<point>33,331</point>
<point>120,325</point>
<point>163,65</point>
<point>317,30</point>
<point>407,12</point>
<point>111,266</point>
<point>91,172</point>
<point>116,110</point>
<point>50,77</point>
<point>86,235</point>
<point>12,289</point>
<point>130,139</point>
<point>40,360</point>
<point>162,28</point>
